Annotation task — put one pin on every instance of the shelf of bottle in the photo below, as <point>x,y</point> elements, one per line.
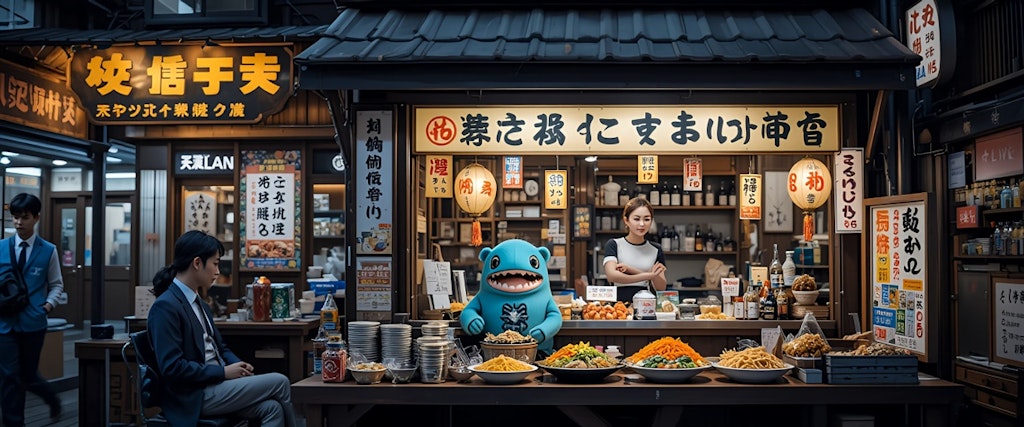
<point>678,208</point>
<point>700,253</point>
<point>812,266</point>
<point>990,257</point>
<point>522,202</point>
<point>1000,211</point>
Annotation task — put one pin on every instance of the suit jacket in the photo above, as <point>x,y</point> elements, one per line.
<point>37,266</point>
<point>177,338</point>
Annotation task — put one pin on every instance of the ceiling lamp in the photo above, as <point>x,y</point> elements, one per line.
<point>809,185</point>
<point>475,189</point>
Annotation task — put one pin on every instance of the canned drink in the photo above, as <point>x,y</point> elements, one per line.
<point>279,302</point>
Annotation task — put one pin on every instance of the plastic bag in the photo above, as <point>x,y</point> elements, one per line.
<point>809,341</point>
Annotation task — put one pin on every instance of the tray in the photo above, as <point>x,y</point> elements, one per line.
<point>805,362</point>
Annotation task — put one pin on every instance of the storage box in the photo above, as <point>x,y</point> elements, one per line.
<point>871,369</point>
<point>808,376</point>
<point>805,362</point>
<point>799,311</point>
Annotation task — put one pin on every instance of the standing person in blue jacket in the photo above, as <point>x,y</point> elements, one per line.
<point>22,335</point>
<point>199,375</point>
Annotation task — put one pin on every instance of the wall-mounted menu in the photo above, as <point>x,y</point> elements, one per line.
<point>1008,320</point>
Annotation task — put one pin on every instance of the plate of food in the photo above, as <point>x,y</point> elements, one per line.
<point>580,363</point>
<point>667,360</point>
<point>752,365</point>
<point>503,370</point>
<point>668,375</point>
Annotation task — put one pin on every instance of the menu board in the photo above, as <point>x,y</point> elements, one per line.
<point>896,249</point>
<point>1008,320</point>
<point>272,192</point>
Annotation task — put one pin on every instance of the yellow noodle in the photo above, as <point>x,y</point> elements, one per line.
<point>503,363</point>
<point>750,358</point>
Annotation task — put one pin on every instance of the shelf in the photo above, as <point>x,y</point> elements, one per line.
<point>522,202</point>
<point>532,218</point>
<point>678,208</point>
<point>694,289</point>
<point>812,266</point>
<point>1001,211</point>
<point>328,212</point>
<point>991,257</point>
<point>702,253</point>
<point>328,237</point>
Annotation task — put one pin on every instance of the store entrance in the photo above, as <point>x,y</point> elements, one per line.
<point>72,222</point>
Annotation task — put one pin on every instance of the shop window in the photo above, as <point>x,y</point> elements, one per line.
<point>174,12</point>
<point>66,179</point>
<point>117,234</point>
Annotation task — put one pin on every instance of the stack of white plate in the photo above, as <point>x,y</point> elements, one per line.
<point>434,329</point>
<point>362,339</point>
<point>433,361</point>
<point>396,342</point>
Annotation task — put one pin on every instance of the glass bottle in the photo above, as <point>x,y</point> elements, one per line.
<point>675,198</point>
<point>723,196</point>
<point>655,197</point>
<point>329,314</point>
<point>689,242</point>
<point>698,241</point>
<point>666,238</point>
<point>732,193</point>
<point>698,198</point>
<point>334,360</point>
<point>666,197</point>
<point>1006,197</point>
<point>319,346</point>
<point>788,270</point>
<point>623,195</point>
<point>767,302</point>
<point>610,192</point>
<point>1015,191</point>
<point>675,239</point>
<point>781,304</point>
<point>709,196</point>
<point>719,244</point>
<point>751,299</point>
<point>775,274</point>
<point>687,198</point>
<point>639,192</point>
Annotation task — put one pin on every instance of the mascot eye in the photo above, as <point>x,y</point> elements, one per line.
<point>534,262</point>
<point>495,262</point>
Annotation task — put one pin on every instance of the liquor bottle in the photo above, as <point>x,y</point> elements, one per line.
<point>698,198</point>
<point>752,301</point>
<point>775,274</point>
<point>781,304</point>
<point>767,303</point>
<point>666,238</point>
<point>676,196</point>
<point>709,196</point>
<point>329,314</point>
<point>675,239</point>
<point>1015,191</point>
<point>730,245</point>
<point>732,193</point>
<point>623,194</point>
<point>610,191</point>
<point>689,242</point>
<point>719,244</point>
<point>319,346</point>
<point>788,270</point>
<point>638,192</point>
<point>723,196</point>
<point>1006,197</point>
<point>698,241</point>
<point>666,197</point>
<point>655,197</point>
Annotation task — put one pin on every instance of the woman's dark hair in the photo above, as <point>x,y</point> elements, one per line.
<point>189,246</point>
<point>636,203</point>
<point>25,203</point>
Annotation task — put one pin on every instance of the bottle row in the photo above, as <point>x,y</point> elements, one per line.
<point>771,300</point>
<point>668,193</point>
<point>1006,239</point>
<point>991,194</point>
<point>685,237</point>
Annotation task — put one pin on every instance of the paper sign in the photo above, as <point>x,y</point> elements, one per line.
<point>439,177</point>
<point>849,190</point>
<point>647,169</point>
<point>771,339</point>
<point>556,191</point>
<point>750,196</point>
<point>601,293</point>
<point>758,274</point>
<point>513,177</point>
<point>143,300</point>
<point>693,170</point>
<point>730,286</point>
<point>438,277</point>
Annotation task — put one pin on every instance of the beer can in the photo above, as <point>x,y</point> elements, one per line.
<point>279,300</point>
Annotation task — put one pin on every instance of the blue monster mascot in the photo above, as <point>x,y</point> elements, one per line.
<point>515,295</point>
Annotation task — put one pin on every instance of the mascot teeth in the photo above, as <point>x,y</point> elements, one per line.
<point>515,280</point>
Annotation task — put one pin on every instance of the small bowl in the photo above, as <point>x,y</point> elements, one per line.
<point>368,377</point>
<point>806,297</point>
<point>460,374</point>
<point>402,375</point>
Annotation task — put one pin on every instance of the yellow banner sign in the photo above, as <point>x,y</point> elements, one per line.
<point>750,196</point>
<point>439,177</point>
<point>646,169</point>
<point>576,129</point>
<point>556,192</point>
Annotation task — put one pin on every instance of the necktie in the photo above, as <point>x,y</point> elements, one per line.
<point>209,331</point>
<point>21,255</point>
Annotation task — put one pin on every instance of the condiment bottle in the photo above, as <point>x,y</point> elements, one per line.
<point>329,313</point>
<point>334,360</point>
<point>751,300</point>
<point>644,305</point>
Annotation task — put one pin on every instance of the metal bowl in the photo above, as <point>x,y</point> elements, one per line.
<point>367,377</point>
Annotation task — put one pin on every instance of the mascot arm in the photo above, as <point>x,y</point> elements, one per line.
<point>550,326</point>
<point>470,318</point>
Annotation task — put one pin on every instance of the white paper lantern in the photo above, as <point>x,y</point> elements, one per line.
<point>809,185</point>
<point>475,189</point>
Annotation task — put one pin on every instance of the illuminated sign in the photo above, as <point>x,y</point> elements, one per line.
<point>204,163</point>
<point>181,84</point>
<point>577,129</point>
<point>40,100</point>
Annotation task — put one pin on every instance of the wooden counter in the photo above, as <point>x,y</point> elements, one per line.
<point>933,402</point>
<point>293,337</point>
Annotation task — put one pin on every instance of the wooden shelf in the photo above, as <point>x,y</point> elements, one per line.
<point>328,237</point>
<point>701,253</point>
<point>679,208</point>
<point>522,202</point>
<point>812,266</point>
<point>991,257</point>
<point>694,288</point>
<point>1001,211</point>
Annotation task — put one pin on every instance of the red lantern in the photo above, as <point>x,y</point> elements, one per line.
<point>475,189</point>
<point>809,185</point>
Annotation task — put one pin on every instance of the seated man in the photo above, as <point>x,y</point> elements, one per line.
<point>200,376</point>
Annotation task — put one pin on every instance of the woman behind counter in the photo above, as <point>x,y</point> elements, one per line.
<point>631,261</point>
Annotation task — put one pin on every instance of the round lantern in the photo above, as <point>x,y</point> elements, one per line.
<point>475,189</point>
<point>809,185</point>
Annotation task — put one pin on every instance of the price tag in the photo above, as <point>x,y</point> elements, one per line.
<point>771,339</point>
<point>730,286</point>
<point>601,293</point>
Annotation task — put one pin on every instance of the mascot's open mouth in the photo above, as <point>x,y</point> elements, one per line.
<point>515,281</point>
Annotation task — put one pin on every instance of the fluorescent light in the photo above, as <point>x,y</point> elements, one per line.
<point>113,159</point>
<point>120,175</point>
<point>9,153</point>
<point>590,159</point>
<point>113,149</point>
<point>5,160</point>
<point>59,162</point>
<point>26,171</point>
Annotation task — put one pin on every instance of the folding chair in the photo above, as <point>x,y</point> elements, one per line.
<point>147,387</point>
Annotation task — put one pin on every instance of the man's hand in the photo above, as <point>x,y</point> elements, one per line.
<point>48,307</point>
<point>237,370</point>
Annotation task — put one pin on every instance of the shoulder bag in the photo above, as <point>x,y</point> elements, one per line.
<point>13,291</point>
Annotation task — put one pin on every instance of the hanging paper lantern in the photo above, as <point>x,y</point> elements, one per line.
<point>475,189</point>
<point>809,184</point>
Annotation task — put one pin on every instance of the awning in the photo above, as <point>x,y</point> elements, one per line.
<point>105,38</point>
<point>607,49</point>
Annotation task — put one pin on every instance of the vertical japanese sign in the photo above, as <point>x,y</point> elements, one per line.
<point>373,287</point>
<point>439,177</point>
<point>693,174</point>
<point>556,194</point>
<point>923,39</point>
<point>270,183</point>
<point>200,211</point>
<point>513,176</point>
<point>897,249</point>
<point>849,190</point>
<point>1007,327</point>
<point>750,196</point>
<point>646,169</point>
<point>374,179</point>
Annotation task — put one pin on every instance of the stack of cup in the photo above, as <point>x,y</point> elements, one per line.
<point>433,361</point>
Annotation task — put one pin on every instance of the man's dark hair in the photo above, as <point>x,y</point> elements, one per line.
<point>25,203</point>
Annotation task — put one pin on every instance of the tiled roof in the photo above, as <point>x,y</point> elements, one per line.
<point>587,48</point>
<point>68,37</point>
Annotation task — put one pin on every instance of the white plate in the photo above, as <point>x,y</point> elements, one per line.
<point>663,375</point>
<point>496,377</point>
<point>753,376</point>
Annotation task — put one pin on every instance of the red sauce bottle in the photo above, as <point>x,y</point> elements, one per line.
<point>334,358</point>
